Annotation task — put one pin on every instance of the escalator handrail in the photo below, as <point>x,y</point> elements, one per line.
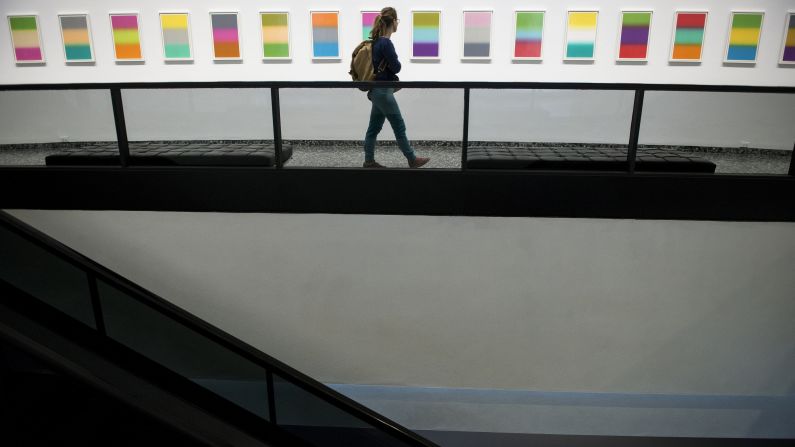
<point>16,301</point>
<point>215,334</point>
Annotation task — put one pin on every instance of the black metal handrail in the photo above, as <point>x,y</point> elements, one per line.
<point>271,365</point>
<point>466,86</point>
<point>405,84</point>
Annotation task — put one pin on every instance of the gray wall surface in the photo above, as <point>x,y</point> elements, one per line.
<point>537,304</point>
<point>524,325</point>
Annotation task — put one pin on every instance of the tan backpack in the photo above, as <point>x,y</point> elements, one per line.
<point>362,63</point>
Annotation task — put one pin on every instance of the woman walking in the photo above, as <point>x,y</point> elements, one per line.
<point>385,107</point>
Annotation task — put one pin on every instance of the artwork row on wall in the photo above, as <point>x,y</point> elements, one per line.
<point>687,37</point>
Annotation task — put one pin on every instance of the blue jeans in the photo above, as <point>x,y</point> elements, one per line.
<point>385,107</point>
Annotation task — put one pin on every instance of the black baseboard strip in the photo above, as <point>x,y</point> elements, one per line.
<point>404,191</point>
<point>480,439</point>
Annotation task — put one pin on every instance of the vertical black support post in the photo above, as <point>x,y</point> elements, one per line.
<point>277,126</point>
<point>634,131</point>
<point>121,127</point>
<point>93,290</point>
<point>271,397</point>
<point>792,162</point>
<point>465,139</point>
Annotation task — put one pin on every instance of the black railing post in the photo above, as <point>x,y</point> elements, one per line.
<point>277,126</point>
<point>792,162</point>
<point>634,131</point>
<point>271,397</point>
<point>465,139</point>
<point>93,290</point>
<point>121,126</point>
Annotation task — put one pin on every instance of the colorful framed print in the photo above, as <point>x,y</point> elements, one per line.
<point>788,45</point>
<point>368,18</point>
<point>325,34</point>
<point>581,35</point>
<point>126,37</point>
<point>528,35</point>
<point>275,35</point>
<point>76,36</point>
<point>226,36</point>
<point>426,31</point>
<point>633,38</point>
<point>175,31</point>
<point>688,37</point>
<point>742,45</point>
<point>26,39</point>
<point>477,35</point>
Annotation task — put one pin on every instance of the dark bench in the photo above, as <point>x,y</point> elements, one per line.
<point>584,159</point>
<point>172,154</point>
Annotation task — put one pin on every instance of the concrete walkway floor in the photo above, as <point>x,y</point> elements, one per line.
<point>443,156</point>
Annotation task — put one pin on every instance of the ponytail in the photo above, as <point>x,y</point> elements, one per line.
<point>383,22</point>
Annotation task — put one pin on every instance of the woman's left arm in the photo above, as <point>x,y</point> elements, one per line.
<point>392,58</point>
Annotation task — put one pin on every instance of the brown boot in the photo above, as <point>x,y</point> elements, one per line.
<point>372,164</point>
<point>419,162</point>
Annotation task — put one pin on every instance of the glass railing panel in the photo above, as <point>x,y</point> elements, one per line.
<point>183,350</point>
<point>739,133</point>
<point>327,128</point>
<point>313,419</point>
<point>45,276</point>
<point>199,127</point>
<point>39,127</point>
<point>549,129</point>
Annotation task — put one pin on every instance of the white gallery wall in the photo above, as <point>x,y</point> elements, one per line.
<point>449,68</point>
<point>729,120</point>
<point>589,326</point>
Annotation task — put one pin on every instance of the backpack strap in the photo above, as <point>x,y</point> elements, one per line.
<point>381,66</point>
